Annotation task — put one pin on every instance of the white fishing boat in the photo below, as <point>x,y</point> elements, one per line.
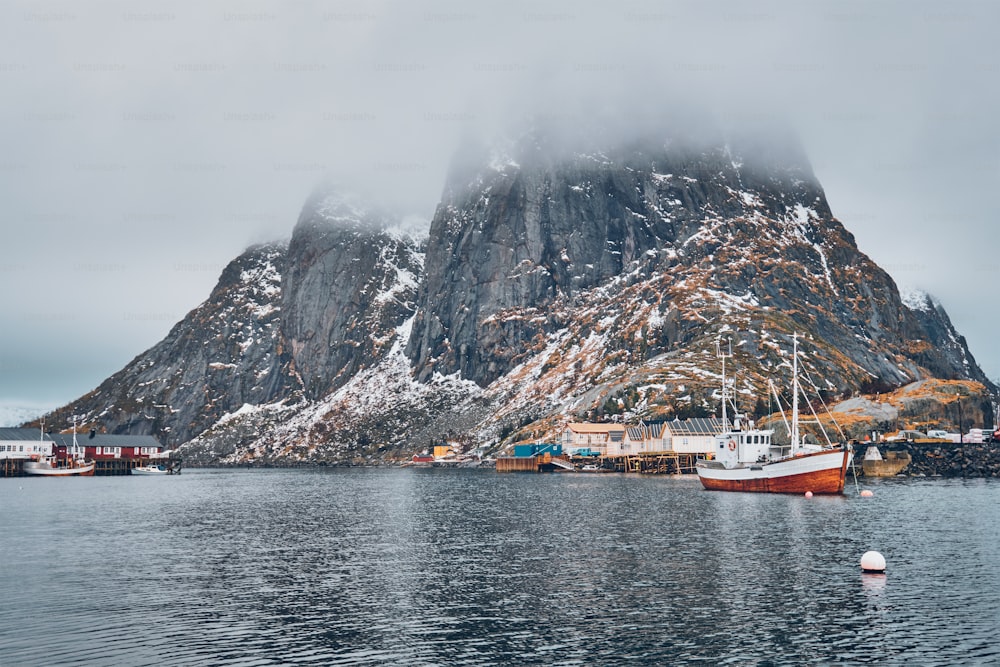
<point>50,465</point>
<point>749,460</point>
<point>150,469</point>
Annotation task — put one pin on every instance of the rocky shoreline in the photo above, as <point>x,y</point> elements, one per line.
<point>943,460</point>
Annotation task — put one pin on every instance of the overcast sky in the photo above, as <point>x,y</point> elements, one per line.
<point>144,145</point>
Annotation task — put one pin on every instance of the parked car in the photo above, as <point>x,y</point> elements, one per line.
<point>906,436</point>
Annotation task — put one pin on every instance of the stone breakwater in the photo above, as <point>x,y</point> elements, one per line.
<point>945,460</point>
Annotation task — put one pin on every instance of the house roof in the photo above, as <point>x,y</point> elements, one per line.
<point>695,426</point>
<point>583,427</point>
<point>66,439</point>
<point>7,434</point>
<point>106,440</point>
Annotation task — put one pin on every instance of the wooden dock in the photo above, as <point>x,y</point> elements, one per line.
<point>654,463</point>
<point>11,467</point>
<point>649,463</point>
<point>541,463</point>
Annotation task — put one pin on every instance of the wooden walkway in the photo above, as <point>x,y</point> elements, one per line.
<point>650,463</point>
<point>543,463</point>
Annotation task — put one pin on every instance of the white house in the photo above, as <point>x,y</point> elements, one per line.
<point>600,437</point>
<point>23,443</point>
<point>691,436</point>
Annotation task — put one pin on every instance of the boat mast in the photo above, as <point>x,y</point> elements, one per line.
<point>722,355</point>
<point>76,454</point>
<point>795,392</point>
<point>41,441</point>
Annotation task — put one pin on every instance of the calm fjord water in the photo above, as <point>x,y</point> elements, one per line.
<point>452,567</point>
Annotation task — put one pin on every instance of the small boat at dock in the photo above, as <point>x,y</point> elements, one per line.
<point>150,469</point>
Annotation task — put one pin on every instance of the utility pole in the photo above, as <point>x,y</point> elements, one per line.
<point>961,429</point>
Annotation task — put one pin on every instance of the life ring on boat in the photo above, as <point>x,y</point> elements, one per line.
<point>732,445</point>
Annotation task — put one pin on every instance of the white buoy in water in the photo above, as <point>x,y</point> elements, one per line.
<point>809,494</point>
<point>872,562</point>
<point>867,493</point>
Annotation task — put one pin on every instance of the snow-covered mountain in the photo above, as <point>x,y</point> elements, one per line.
<point>559,281</point>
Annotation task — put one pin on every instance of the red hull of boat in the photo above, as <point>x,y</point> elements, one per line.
<point>829,481</point>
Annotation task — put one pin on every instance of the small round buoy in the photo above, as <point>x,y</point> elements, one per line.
<point>809,494</point>
<point>867,493</point>
<point>872,562</point>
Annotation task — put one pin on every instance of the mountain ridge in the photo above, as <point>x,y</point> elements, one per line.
<point>552,286</point>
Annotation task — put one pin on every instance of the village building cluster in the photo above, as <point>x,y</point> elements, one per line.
<point>677,436</point>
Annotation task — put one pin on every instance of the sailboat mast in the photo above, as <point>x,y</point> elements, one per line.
<point>795,392</point>
<point>724,422</point>
<point>725,397</point>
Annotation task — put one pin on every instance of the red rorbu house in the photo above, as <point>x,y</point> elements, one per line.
<point>104,447</point>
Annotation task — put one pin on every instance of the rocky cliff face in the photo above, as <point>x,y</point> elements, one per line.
<point>520,245</point>
<point>562,281</point>
<point>351,281</point>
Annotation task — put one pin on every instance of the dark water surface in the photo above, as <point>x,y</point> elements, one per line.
<point>453,567</point>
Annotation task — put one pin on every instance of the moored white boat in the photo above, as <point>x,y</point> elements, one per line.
<point>820,471</point>
<point>50,467</point>
<point>73,465</point>
<point>150,470</point>
<point>748,460</point>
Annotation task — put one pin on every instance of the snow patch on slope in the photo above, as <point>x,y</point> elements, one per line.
<point>915,299</point>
